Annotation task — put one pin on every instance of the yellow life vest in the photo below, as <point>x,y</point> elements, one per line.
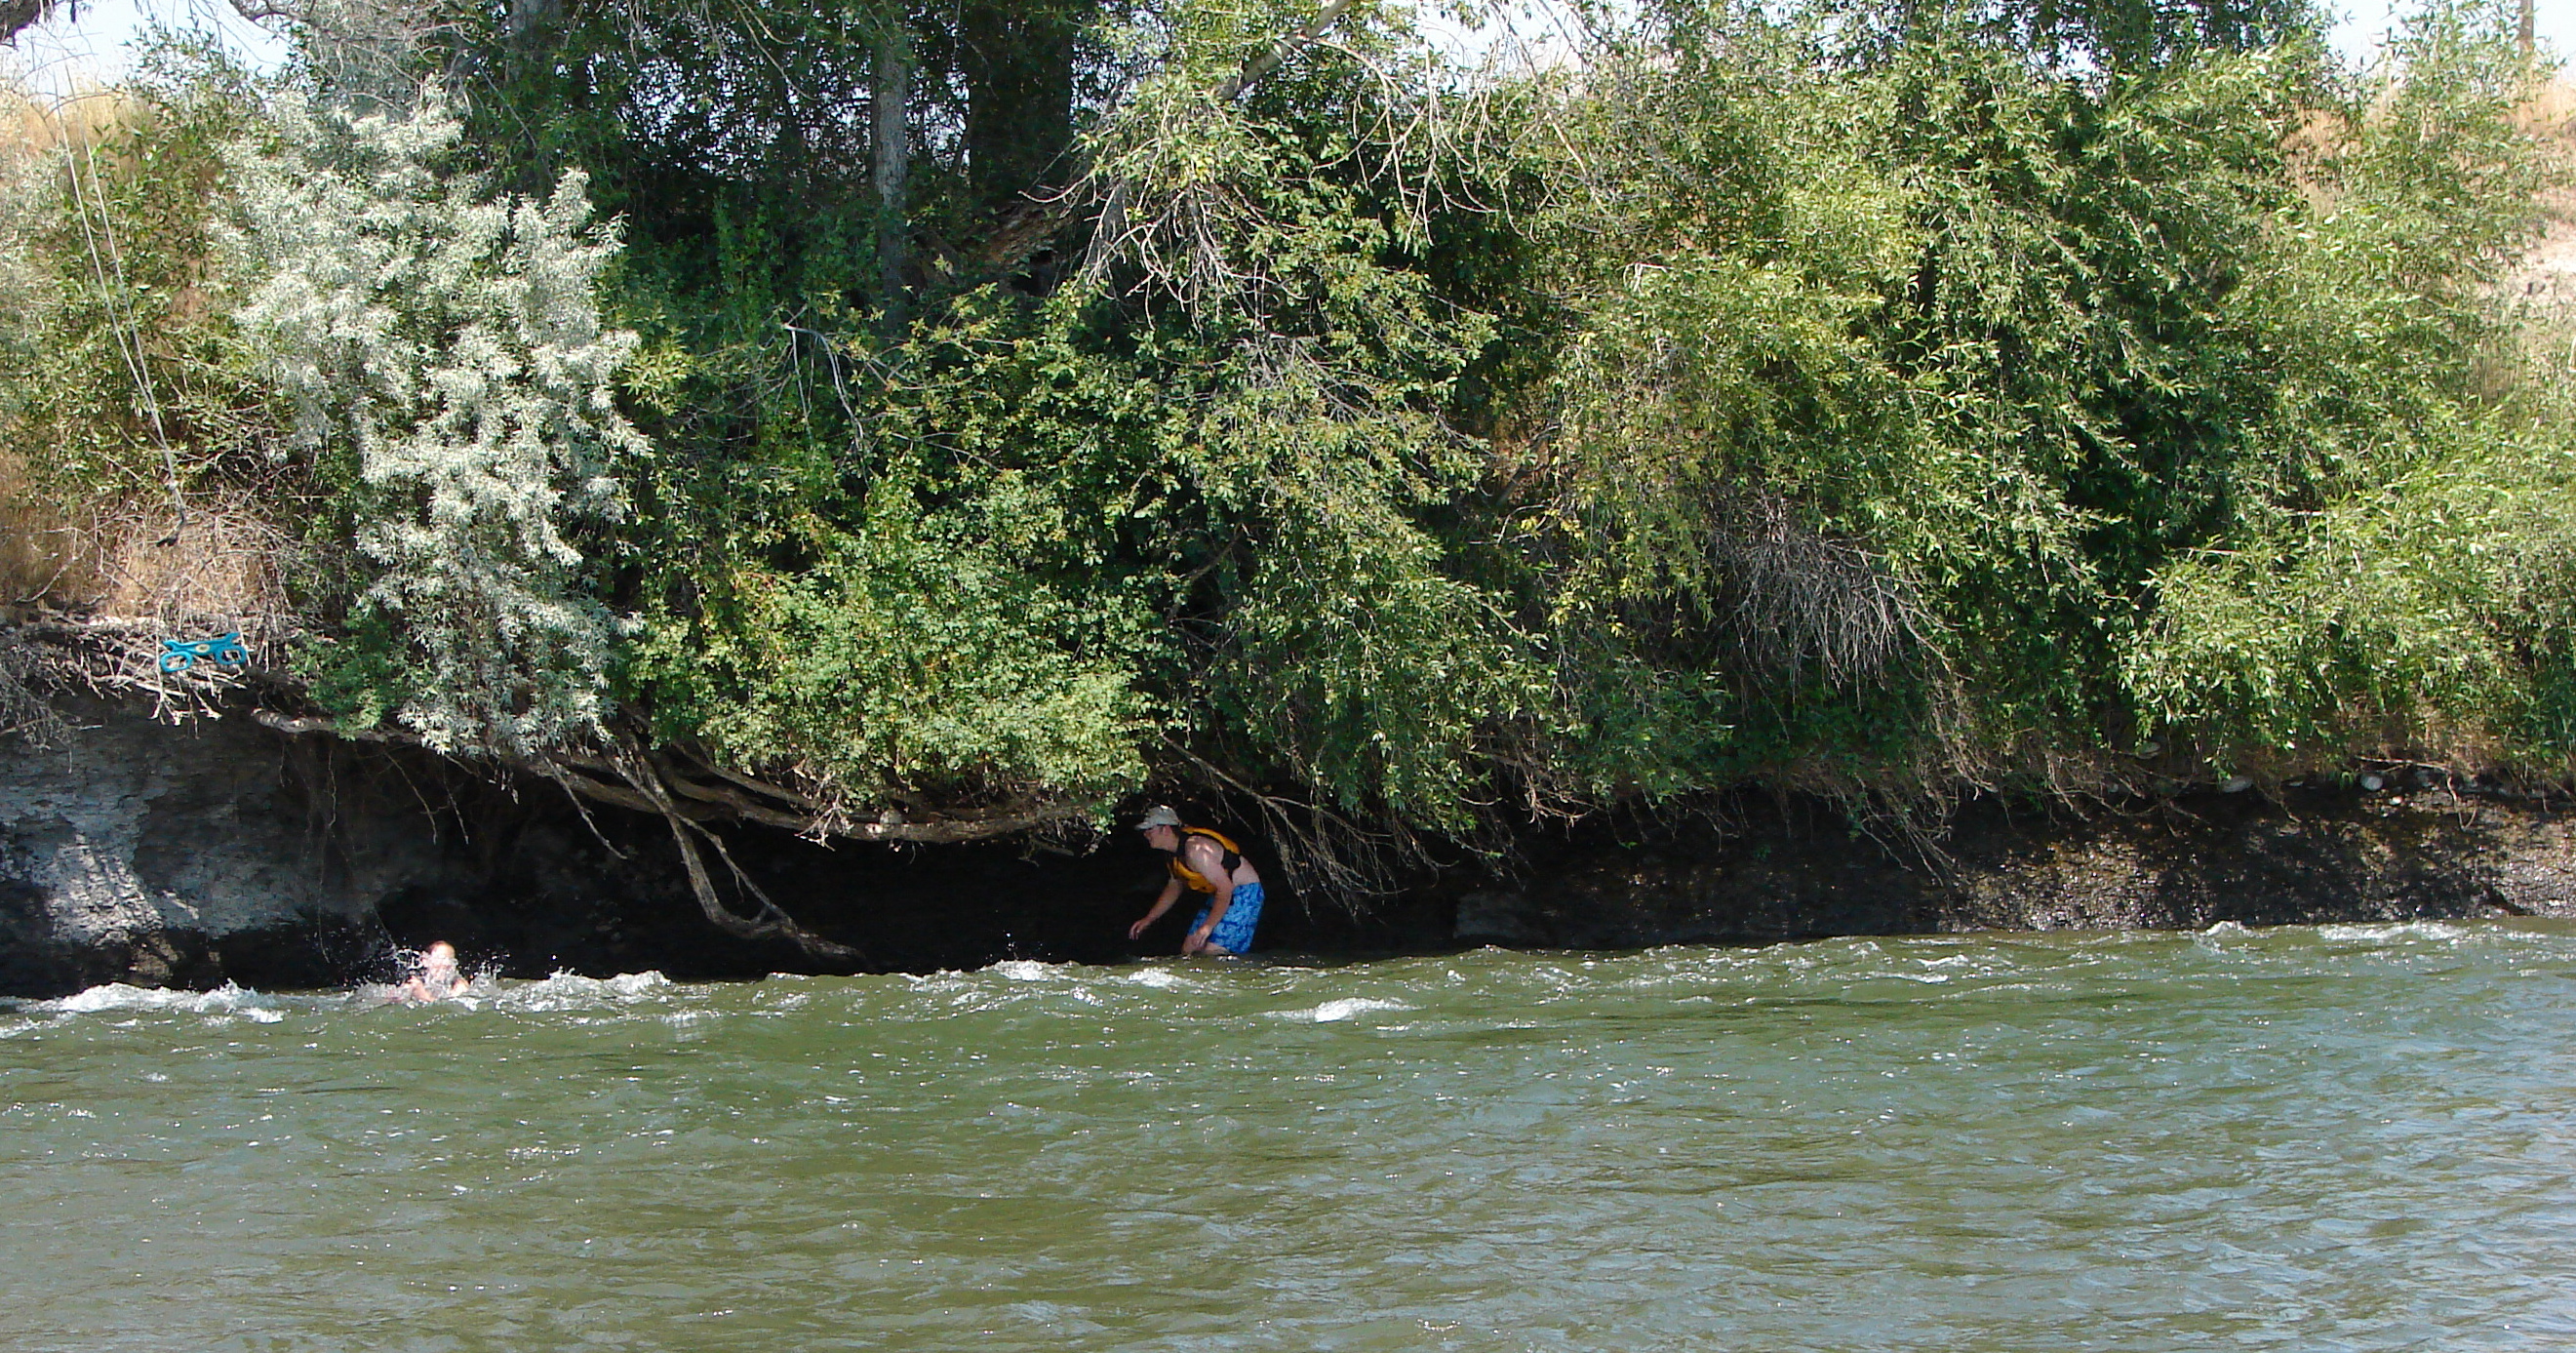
<point>1191,878</point>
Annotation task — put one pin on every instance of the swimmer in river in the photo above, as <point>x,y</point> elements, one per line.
<point>1203,861</point>
<point>437,979</point>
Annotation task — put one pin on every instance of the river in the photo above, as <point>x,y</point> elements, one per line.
<point>2341,1137</point>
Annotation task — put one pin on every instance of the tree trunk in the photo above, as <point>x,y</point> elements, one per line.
<point>1017,56</point>
<point>524,28</point>
<point>1028,223</point>
<point>16,16</point>
<point>891,93</point>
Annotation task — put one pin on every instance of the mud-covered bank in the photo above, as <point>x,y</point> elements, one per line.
<point>1777,871</point>
<point>221,850</point>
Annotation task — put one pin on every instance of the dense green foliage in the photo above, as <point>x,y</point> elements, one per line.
<point>1874,398</point>
<point>449,375</point>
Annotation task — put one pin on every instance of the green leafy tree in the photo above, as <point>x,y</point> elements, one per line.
<point>1035,404</point>
<point>445,358</point>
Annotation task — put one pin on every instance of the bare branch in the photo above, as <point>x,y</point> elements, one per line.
<point>716,803</point>
<point>261,11</point>
<point>1323,852</point>
<point>1028,224</point>
<point>1258,68</point>
<point>1794,595</point>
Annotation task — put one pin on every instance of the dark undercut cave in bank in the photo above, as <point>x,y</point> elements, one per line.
<point>224,851</point>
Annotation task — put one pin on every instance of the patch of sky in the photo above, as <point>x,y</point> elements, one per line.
<point>92,42</point>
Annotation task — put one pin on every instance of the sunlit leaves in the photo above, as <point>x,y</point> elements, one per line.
<point>444,342</point>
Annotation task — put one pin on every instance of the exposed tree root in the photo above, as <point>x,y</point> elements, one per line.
<point>633,763</point>
<point>683,787</point>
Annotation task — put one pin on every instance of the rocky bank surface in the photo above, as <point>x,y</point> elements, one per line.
<point>220,850</point>
<point>2308,854</point>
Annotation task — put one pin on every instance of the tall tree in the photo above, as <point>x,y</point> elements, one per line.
<point>890,95</point>
<point>1018,57</point>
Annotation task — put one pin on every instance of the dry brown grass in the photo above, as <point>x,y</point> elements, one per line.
<point>128,557</point>
<point>40,549</point>
<point>2539,291</point>
<point>223,570</point>
<point>29,122</point>
<point>2550,115</point>
<point>2551,112</point>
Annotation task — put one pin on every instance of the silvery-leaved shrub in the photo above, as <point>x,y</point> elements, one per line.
<point>441,342</point>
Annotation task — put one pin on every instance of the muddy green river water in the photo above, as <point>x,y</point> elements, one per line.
<point>2357,1137</point>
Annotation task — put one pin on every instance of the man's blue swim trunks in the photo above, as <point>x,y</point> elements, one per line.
<point>1234,933</point>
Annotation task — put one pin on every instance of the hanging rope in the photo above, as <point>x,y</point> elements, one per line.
<point>121,324</point>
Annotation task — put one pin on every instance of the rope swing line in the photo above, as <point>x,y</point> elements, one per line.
<point>121,324</point>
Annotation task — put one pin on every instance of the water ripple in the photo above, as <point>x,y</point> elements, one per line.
<point>2346,1137</point>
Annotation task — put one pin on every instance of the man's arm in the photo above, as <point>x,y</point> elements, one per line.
<point>1171,894</point>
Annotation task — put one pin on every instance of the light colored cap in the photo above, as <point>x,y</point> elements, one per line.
<point>1158,816</point>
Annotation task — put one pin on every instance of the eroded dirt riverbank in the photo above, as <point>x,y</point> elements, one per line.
<point>221,850</point>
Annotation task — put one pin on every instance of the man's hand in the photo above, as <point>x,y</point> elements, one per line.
<point>1197,941</point>
<point>1137,931</point>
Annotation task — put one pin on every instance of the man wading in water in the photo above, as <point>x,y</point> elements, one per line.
<point>1205,862</point>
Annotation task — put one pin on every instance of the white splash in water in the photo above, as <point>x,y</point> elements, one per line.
<point>2400,930</point>
<point>1334,1012</point>
<point>227,999</point>
<point>570,991</point>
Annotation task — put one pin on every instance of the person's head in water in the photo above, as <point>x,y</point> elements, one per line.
<point>1162,829</point>
<point>436,976</point>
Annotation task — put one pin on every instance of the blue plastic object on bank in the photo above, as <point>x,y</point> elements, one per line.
<point>224,650</point>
